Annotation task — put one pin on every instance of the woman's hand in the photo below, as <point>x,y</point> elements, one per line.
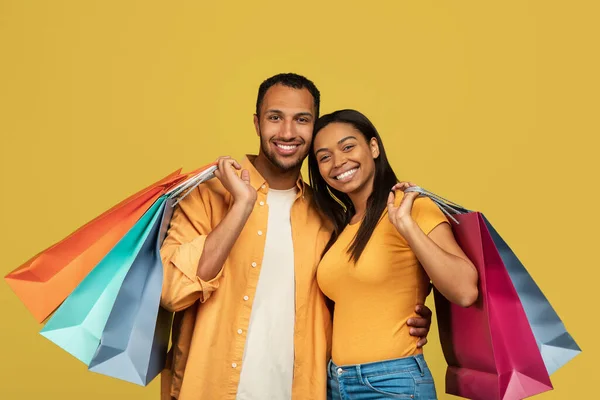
<point>401,216</point>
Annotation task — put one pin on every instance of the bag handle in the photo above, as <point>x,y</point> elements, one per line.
<point>449,208</point>
<point>190,184</point>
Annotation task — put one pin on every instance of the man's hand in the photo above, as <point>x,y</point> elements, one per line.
<point>419,326</point>
<point>238,186</point>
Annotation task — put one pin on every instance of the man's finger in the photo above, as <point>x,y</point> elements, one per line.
<point>231,162</point>
<point>220,161</point>
<point>229,169</point>
<point>418,323</point>
<point>246,176</point>
<point>421,343</point>
<point>418,332</point>
<point>423,311</point>
<point>221,164</point>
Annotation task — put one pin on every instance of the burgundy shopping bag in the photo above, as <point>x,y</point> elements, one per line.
<point>489,347</point>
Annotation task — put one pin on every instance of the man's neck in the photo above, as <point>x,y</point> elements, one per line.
<point>275,177</point>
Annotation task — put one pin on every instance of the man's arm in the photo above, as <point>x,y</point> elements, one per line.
<point>218,243</point>
<point>193,254</point>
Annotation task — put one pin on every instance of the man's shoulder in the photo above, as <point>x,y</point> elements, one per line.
<point>207,193</point>
<point>319,218</point>
<point>309,198</point>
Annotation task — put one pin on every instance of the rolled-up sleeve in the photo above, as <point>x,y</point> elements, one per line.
<point>181,252</point>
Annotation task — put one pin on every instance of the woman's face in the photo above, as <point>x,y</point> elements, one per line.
<point>345,158</point>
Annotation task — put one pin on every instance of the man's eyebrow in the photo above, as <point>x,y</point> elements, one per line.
<point>300,114</point>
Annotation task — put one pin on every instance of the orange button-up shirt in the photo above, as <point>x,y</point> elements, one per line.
<point>207,349</point>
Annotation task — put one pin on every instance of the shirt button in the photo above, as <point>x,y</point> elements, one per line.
<point>239,331</point>
<point>264,186</point>
<point>246,298</point>
<point>262,203</point>
<point>259,233</point>
<point>339,371</point>
<point>253,265</point>
<point>234,365</point>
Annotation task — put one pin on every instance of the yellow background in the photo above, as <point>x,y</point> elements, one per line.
<point>492,104</point>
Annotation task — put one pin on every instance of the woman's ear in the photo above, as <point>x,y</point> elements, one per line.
<point>374,144</point>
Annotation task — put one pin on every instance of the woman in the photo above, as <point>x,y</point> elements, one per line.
<point>385,249</point>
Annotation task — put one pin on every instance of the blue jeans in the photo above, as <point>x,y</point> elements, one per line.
<point>403,378</point>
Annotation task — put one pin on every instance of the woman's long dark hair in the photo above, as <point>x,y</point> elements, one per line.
<point>336,205</point>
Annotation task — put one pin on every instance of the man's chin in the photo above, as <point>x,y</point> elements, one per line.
<point>286,164</point>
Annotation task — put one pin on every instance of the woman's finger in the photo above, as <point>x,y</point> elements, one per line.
<point>390,203</point>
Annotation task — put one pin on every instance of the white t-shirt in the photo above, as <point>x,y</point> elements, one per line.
<point>268,362</point>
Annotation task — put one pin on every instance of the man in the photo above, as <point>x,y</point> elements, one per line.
<point>240,264</point>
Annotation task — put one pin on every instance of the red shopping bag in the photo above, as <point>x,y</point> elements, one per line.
<point>489,347</point>
<point>43,282</point>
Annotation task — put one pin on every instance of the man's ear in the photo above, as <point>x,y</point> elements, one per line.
<point>257,125</point>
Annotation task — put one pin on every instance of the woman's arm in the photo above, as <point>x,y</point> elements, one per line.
<point>448,267</point>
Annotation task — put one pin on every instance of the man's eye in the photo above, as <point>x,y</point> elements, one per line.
<point>346,148</point>
<point>274,117</point>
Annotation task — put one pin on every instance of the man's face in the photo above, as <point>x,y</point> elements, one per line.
<point>285,126</point>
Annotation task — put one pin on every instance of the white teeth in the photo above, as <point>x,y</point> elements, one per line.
<point>346,174</point>
<point>284,147</point>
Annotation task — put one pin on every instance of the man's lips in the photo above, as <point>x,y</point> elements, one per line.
<point>286,148</point>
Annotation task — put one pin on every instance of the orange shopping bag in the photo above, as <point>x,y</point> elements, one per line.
<point>45,281</point>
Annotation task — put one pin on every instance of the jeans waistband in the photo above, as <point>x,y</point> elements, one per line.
<point>357,371</point>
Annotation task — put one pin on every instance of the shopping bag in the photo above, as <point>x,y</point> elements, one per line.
<point>556,344</point>
<point>135,340</point>
<point>134,343</point>
<point>77,324</point>
<point>113,321</point>
<point>489,347</point>
<point>45,281</point>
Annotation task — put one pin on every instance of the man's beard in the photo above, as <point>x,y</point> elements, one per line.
<point>269,154</point>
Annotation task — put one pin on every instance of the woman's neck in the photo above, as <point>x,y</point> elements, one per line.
<point>359,199</point>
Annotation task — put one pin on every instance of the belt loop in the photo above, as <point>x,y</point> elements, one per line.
<point>329,368</point>
<point>359,374</point>
<point>421,363</point>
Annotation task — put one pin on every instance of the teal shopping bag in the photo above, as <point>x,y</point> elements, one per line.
<point>78,323</point>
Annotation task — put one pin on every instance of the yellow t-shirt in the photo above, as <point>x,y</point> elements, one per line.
<point>376,296</point>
